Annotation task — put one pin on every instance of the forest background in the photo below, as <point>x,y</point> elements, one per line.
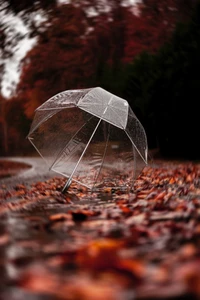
<point>147,52</point>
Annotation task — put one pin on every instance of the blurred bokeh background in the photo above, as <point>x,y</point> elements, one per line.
<point>147,52</point>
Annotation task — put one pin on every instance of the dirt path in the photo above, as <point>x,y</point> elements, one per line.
<point>37,172</point>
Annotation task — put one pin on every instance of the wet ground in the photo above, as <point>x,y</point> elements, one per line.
<point>38,171</point>
<point>112,245</point>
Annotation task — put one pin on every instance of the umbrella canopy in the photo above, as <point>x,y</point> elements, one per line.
<point>90,136</point>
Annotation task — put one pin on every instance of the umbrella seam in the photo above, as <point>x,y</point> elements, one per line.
<point>42,121</point>
<point>101,117</point>
<point>80,158</point>
<point>102,159</point>
<point>61,151</point>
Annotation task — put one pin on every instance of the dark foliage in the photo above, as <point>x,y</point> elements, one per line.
<point>164,88</point>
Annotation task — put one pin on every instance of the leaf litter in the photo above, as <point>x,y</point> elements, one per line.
<point>105,245</point>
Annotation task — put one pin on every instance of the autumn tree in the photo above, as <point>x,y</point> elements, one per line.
<point>3,125</point>
<point>86,43</point>
<point>74,51</point>
<point>154,25</point>
<point>18,127</point>
<point>107,40</point>
<point>60,61</point>
<point>167,11</point>
<point>27,12</point>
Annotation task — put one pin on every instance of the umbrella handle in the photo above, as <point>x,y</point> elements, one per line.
<point>67,185</point>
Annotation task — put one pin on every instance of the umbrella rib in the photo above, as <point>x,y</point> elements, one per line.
<point>60,152</point>
<point>70,178</point>
<point>103,158</point>
<point>30,140</point>
<point>72,174</point>
<point>121,121</point>
<point>102,117</point>
<point>136,147</point>
<point>42,121</point>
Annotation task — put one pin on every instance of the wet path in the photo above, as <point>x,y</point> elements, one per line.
<point>37,172</point>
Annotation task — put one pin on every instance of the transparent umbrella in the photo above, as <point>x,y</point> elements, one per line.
<point>90,136</point>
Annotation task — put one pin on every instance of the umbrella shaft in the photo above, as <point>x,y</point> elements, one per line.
<point>70,178</point>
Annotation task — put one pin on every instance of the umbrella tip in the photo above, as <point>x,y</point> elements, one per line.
<point>67,185</point>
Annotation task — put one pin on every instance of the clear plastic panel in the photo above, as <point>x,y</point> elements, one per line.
<point>92,160</point>
<point>118,166</point>
<point>41,117</point>
<point>121,108</point>
<point>111,115</point>
<point>108,160</point>
<point>95,102</point>
<point>140,164</point>
<point>71,156</point>
<point>106,106</point>
<point>96,96</point>
<point>120,104</point>
<point>64,99</point>
<point>51,137</point>
<point>137,135</point>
